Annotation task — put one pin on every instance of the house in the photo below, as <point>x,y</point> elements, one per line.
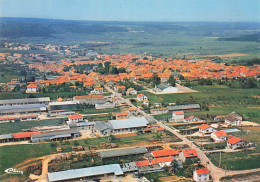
<point>219,136</point>
<point>97,90</point>
<point>84,174</point>
<point>163,88</point>
<point>32,88</point>
<point>7,119</point>
<point>131,91</point>
<point>236,143</point>
<point>159,130</point>
<point>116,100</point>
<point>201,174</point>
<point>159,111</point>
<point>146,103</point>
<point>204,128</point>
<point>133,111</point>
<point>233,119</point>
<point>120,88</point>
<point>178,116</point>
<point>141,97</point>
<point>187,154</point>
<point>163,161</point>
<point>191,119</point>
<point>165,153</point>
<point>122,115</point>
<point>75,118</point>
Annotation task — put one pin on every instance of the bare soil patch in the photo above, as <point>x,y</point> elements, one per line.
<point>125,135</point>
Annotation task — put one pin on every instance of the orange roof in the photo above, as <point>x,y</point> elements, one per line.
<point>178,112</point>
<point>159,129</point>
<point>122,114</point>
<point>140,95</point>
<point>190,153</point>
<point>25,134</point>
<point>163,153</point>
<point>121,87</point>
<point>220,133</point>
<point>88,96</point>
<point>234,140</point>
<point>76,116</point>
<point>32,86</point>
<point>7,118</point>
<point>204,126</point>
<point>98,88</point>
<point>161,160</point>
<point>202,171</point>
<point>154,125</point>
<point>142,163</point>
<point>132,109</point>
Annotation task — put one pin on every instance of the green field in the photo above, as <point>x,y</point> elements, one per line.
<point>220,100</point>
<point>15,154</point>
<point>247,159</point>
<point>18,126</point>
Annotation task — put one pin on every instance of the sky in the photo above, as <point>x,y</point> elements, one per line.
<point>135,10</point>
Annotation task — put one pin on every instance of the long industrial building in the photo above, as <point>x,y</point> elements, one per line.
<point>112,170</point>
<point>23,109</point>
<point>27,101</point>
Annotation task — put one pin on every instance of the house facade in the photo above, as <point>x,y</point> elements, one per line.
<point>178,116</point>
<point>206,129</point>
<point>201,175</point>
<point>219,136</point>
<point>233,119</point>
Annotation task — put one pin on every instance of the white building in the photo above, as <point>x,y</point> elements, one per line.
<point>204,128</point>
<point>141,97</point>
<point>178,116</point>
<point>233,119</point>
<point>163,88</point>
<point>201,175</point>
<point>219,136</point>
<point>75,118</point>
<point>32,88</point>
<point>236,143</point>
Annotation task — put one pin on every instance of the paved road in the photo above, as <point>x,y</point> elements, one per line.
<point>216,173</point>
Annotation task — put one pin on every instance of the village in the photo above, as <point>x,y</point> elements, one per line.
<point>123,116</point>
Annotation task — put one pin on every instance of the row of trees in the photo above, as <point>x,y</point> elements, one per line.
<point>107,68</point>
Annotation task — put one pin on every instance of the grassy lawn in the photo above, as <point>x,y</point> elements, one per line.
<point>14,154</point>
<point>219,99</point>
<point>245,159</point>
<point>18,126</point>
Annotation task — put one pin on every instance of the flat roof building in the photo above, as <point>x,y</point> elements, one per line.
<point>22,109</point>
<point>86,173</point>
<point>13,102</point>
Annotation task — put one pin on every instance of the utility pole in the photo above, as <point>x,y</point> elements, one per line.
<point>219,159</point>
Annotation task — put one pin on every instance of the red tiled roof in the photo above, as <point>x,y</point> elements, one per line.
<point>204,126</point>
<point>190,153</point>
<point>25,134</point>
<point>163,153</point>
<point>220,133</point>
<point>88,96</point>
<point>154,125</point>
<point>159,129</point>
<point>75,116</point>
<point>178,112</point>
<point>142,163</point>
<point>234,140</point>
<point>161,160</point>
<point>132,109</point>
<point>140,95</point>
<point>202,171</point>
<point>7,118</point>
<point>32,86</point>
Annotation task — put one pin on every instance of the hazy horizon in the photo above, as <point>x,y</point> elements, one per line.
<point>134,10</point>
